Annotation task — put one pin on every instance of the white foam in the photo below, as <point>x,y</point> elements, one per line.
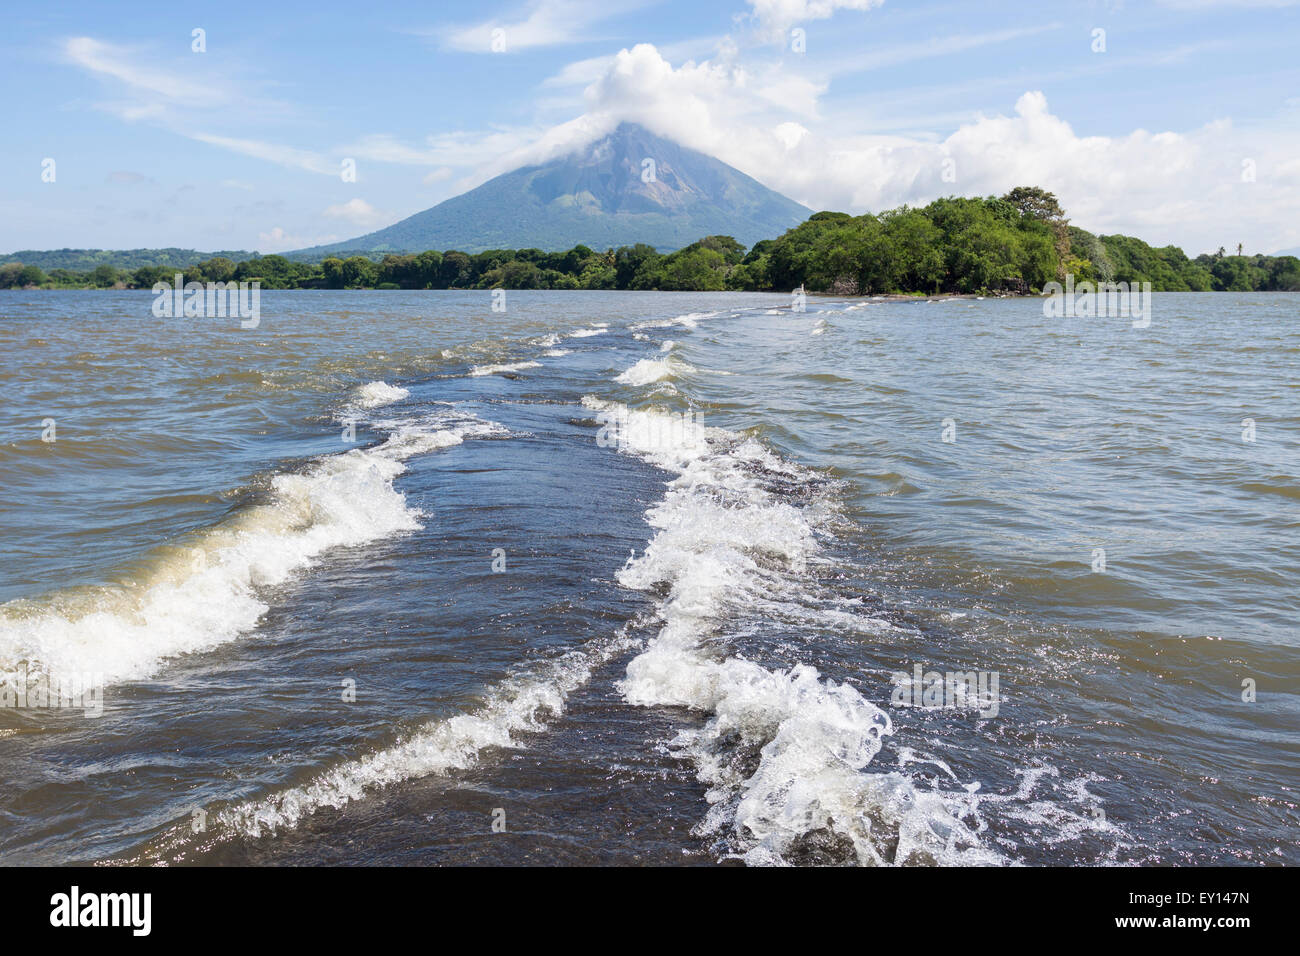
<point>649,371</point>
<point>375,394</point>
<point>689,321</point>
<point>557,353</point>
<point>586,333</point>
<point>522,704</point>
<point>212,589</point>
<point>494,369</point>
<point>725,543</point>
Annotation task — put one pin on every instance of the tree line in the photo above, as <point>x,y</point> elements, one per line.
<point>1015,243</point>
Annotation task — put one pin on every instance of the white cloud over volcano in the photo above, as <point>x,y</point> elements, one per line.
<point>1183,187</point>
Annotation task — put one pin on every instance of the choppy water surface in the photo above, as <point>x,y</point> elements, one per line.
<point>646,578</point>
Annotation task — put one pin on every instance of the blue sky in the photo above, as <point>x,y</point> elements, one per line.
<point>1184,129</point>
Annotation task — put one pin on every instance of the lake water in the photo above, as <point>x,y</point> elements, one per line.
<point>665,578</point>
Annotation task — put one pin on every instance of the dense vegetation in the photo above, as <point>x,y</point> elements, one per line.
<point>1016,243</point>
<point>86,260</point>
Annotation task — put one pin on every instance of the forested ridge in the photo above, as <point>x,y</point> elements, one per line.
<point>1010,244</point>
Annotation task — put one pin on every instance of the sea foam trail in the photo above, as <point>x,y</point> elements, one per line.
<point>524,703</point>
<point>479,370</point>
<point>689,321</point>
<point>196,595</point>
<point>785,753</point>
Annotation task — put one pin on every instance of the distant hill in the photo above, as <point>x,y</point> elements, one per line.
<point>84,260</point>
<point>596,197</point>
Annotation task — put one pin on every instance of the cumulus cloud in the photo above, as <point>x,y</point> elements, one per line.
<point>1184,187</point>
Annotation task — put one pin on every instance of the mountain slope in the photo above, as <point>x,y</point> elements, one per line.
<point>596,197</point>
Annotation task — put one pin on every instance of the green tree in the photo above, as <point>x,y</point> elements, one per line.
<point>358,272</point>
<point>147,276</point>
<point>630,260</point>
<point>515,274</point>
<point>689,270</point>
<point>219,269</point>
<point>103,276</point>
<point>332,270</point>
<point>455,270</point>
<point>1035,203</point>
<point>428,269</point>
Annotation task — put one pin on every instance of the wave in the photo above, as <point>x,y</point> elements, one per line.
<point>586,333</point>
<point>210,589</point>
<point>784,752</point>
<point>522,704</point>
<point>478,370</point>
<point>689,321</point>
<point>375,394</point>
<point>525,702</point>
<point>649,371</point>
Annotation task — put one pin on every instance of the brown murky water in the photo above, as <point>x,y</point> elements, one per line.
<point>647,578</point>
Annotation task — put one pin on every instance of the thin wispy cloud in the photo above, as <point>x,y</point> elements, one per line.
<point>774,19</point>
<point>281,155</point>
<point>110,61</point>
<point>887,57</point>
<point>358,212</point>
<point>1210,4</point>
<point>185,100</point>
<point>540,24</point>
<point>911,104</point>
